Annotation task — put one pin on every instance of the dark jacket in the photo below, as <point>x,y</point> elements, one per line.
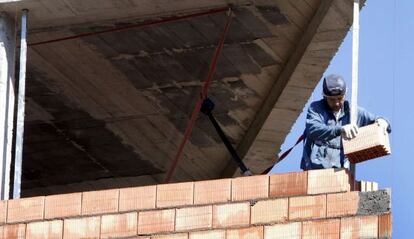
<point>323,145</point>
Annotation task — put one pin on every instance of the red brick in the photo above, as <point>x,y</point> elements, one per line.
<point>374,186</point>
<point>220,234</point>
<point>371,142</point>
<point>99,202</point>
<point>385,226</point>
<point>352,182</point>
<point>254,187</point>
<point>359,227</point>
<point>3,211</point>
<point>137,198</point>
<point>267,211</point>
<point>324,229</point>
<point>245,233</point>
<point>229,215</point>
<point>25,209</point>
<point>214,191</point>
<point>172,236</point>
<point>87,227</point>
<point>283,231</point>
<point>65,205</point>
<point>150,222</point>
<point>366,186</point>
<point>119,225</point>
<point>342,204</point>
<point>46,229</point>
<point>194,218</point>
<point>328,181</point>
<point>16,231</point>
<point>357,186</point>
<point>288,184</point>
<point>176,194</point>
<point>307,207</point>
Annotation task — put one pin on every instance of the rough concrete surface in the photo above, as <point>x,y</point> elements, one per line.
<point>115,105</point>
<point>374,202</point>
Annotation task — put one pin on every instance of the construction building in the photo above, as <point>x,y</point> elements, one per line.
<point>110,88</point>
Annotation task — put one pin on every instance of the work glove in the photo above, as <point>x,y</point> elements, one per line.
<point>349,131</point>
<point>382,123</point>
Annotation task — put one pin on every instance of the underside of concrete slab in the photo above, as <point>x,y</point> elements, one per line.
<point>114,106</point>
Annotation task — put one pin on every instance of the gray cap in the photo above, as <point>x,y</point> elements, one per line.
<point>334,85</point>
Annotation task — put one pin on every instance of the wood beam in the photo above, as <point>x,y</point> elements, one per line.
<point>279,85</point>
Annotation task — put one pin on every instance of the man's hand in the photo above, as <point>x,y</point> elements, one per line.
<point>382,123</point>
<point>349,131</point>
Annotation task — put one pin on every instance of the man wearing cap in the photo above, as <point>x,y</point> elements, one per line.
<point>327,121</point>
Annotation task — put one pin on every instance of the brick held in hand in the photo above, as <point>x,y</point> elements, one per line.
<point>371,142</point>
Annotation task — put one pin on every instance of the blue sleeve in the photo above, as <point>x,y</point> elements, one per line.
<point>366,118</point>
<point>316,129</point>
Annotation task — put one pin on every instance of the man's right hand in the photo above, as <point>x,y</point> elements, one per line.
<point>349,131</point>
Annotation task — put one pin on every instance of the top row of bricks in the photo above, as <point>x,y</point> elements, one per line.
<point>180,194</point>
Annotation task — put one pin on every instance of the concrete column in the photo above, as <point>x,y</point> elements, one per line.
<point>7,98</point>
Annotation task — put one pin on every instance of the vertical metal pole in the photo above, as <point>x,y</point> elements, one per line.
<point>7,100</point>
<point>355,54</point>
<point>20,108</point>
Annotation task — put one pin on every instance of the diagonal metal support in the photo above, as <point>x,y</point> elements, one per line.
<point>207,108</point>
<point>203,95</point>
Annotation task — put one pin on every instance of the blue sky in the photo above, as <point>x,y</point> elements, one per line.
<point>385,87</point>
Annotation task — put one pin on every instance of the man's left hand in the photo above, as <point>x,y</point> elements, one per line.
<point>382,123</point>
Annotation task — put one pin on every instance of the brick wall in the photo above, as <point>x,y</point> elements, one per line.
<point>313,204</point>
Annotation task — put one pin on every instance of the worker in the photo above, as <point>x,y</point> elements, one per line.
<point>327,121</point>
